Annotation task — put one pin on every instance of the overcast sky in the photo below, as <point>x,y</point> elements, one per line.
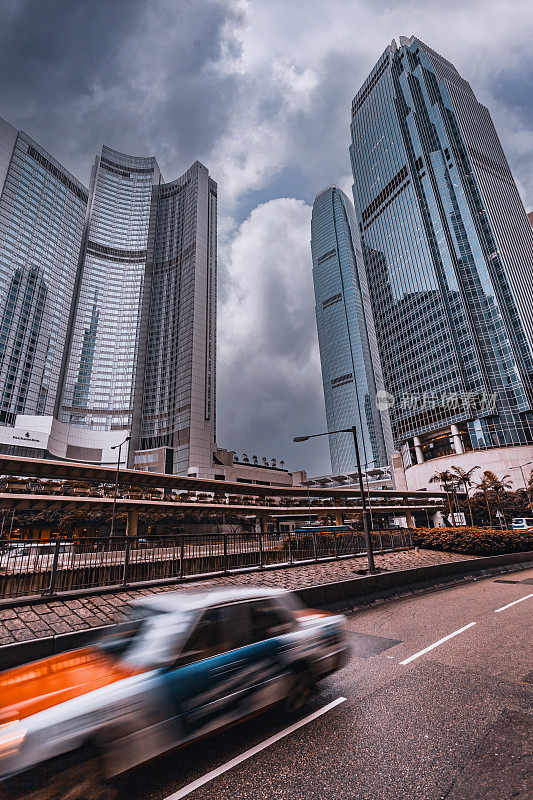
<point>260,92</point>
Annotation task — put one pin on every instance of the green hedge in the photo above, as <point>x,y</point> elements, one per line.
<point>473,541</point>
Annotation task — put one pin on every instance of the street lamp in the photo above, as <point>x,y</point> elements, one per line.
<point>114,447</point>
<point>528,490</point>
<point>366,528</point>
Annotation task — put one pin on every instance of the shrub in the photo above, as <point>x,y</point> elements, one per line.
<point>473,541</point>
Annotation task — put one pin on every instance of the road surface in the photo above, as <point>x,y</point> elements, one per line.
<point>435,703</point>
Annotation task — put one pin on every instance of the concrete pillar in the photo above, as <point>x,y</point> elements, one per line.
<point>409,520</point>
<point>263,518</point>
<point>398,472</point>
<point>339,518</point>
<point>418,450</point>
<point>132,523</point>
<point>457,441</point>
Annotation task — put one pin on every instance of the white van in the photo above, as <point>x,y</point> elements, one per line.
<point>522,523</point>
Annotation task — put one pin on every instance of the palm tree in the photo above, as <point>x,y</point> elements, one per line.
<point>465,477</point>
<point>530,488</point>
<point>500,486</point>
<point>485,485</point>
<point>447,480</point>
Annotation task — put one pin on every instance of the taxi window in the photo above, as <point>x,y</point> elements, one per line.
<point>268,620</point>
<point>206,640</point>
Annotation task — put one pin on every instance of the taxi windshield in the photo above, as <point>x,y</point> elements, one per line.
<point>125,634</point>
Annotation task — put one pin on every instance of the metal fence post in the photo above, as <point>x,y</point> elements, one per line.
<point>335,548</point>
<point>314,547</point>
<point>181,556</point>
<point>126,562</point>
<point>225,552</point>
<point>380,541</point>
<point>290,547</point>
<point>52,585</point>
<point>260,551</point>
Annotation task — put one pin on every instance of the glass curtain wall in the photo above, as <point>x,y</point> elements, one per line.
<point>451,319</point>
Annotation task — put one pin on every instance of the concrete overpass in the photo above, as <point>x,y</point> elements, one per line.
<point>214,496</point>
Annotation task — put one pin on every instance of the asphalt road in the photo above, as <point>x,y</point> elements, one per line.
<point>453,722</point>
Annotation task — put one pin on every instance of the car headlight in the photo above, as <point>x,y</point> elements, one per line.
<point>12,734</point>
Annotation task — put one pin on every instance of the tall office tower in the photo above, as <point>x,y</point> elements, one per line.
<point>107,310</point>
<point>141,360</point>
<point>101,372</point>
<point>42,214</point>
<point>178,409</point>
<point>448,253</point>
<point>348,349</point>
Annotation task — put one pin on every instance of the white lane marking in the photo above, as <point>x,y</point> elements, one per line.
<point>513,603</point>
<point>191,787</point>
<point>436,644</point>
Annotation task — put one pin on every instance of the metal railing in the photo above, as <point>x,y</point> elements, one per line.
<point>48,567</point>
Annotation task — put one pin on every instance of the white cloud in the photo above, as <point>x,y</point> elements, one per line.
<point>268,349</point>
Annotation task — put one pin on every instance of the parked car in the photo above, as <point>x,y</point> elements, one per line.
<point>522,523</point>
<point>184,665</point>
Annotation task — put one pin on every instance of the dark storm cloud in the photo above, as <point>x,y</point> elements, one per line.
<point>260,91</point>
<point>135,75</point>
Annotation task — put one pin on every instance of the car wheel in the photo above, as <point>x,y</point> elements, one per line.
<point>302,691</point>
<point>80,778</point>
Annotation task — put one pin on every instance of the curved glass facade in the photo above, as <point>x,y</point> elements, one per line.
<point>435,202</point>
<point>348,351</point>
<point>101,374</point>
<point>42,216</point>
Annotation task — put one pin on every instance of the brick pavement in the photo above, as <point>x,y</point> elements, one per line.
<point>24,622</point>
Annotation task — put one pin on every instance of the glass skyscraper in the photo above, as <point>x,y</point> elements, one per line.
<point>102,366</point>
<point>178,409</point>
<point>346,336</point>
<point>42,215</point>
<point>448,253</point>
<point>107,310</point>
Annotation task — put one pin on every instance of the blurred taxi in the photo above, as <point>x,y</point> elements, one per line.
<point>184,665</point>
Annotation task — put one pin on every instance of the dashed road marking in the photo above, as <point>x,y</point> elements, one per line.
<point>513,603</point>
<point>436,644</point>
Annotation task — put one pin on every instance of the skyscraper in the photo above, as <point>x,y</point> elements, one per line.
<point>346,336</point>
<point>107,310</point>
<point>102,366</point>
<point>179,390</point>
<point>448,253</point>
<point>142,354</point>
<point>42,214</point>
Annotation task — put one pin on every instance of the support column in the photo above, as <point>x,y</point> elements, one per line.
<point>409,520</point>
<point>418,450</point>
<point>132,522</point>
<point>263,519</point>
<point>457,441</point>
<point>339,518</point>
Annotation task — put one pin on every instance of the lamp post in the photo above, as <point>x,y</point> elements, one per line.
<point>366,527</point>
<point>114,447</point>
<point>521,468</point>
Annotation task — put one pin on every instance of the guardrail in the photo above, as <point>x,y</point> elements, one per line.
<point>29,567</point>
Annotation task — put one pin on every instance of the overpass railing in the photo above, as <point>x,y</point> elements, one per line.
<point>49,567</point>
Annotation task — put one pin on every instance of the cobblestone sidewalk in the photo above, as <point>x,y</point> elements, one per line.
<point>21,623</point>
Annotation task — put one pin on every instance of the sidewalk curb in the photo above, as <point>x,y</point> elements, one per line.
<point>349,595</point>
<point>343,596</point>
